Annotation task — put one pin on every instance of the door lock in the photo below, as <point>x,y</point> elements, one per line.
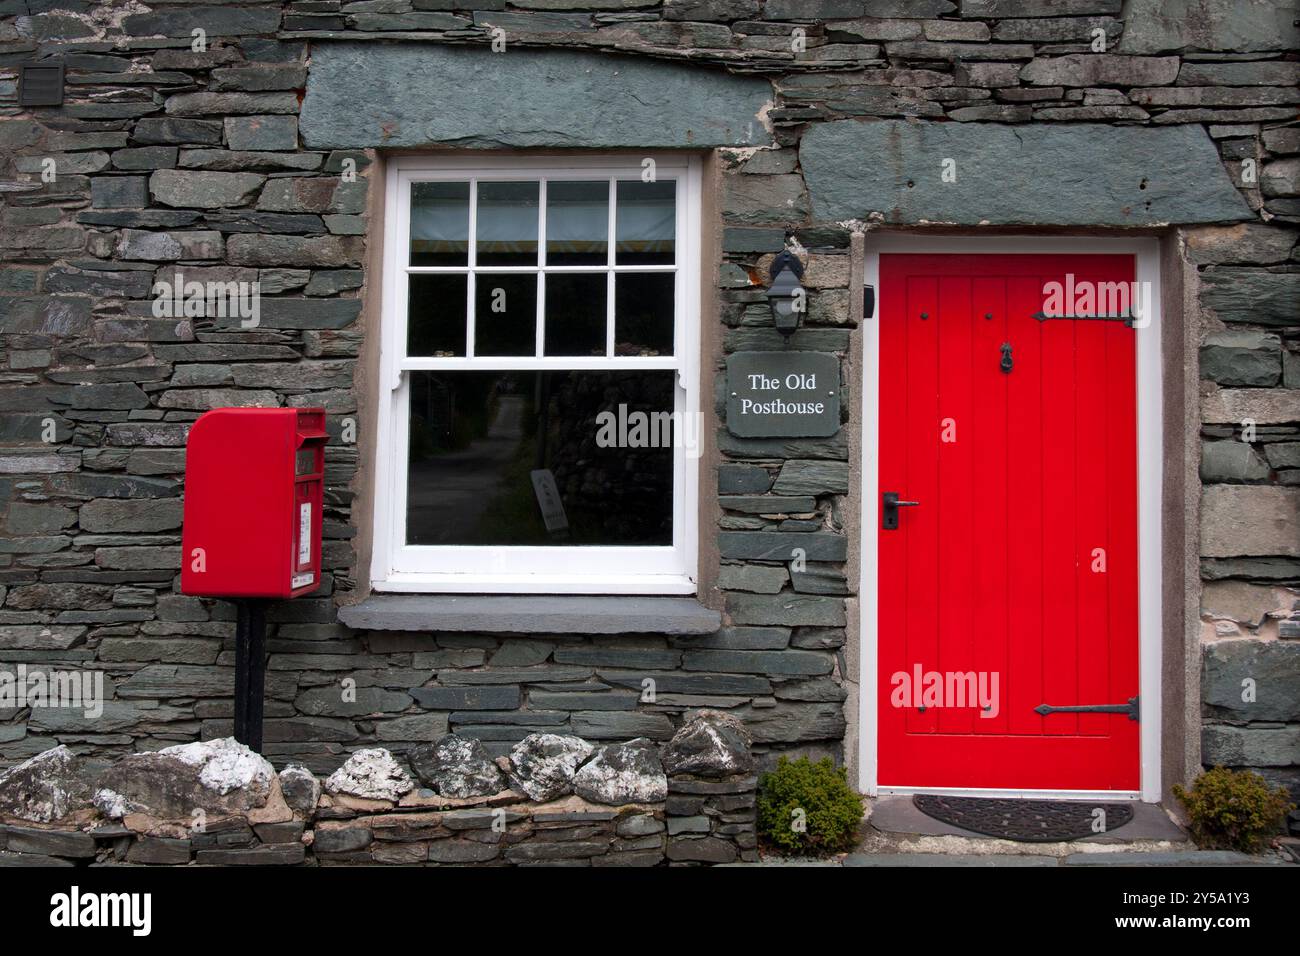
<point>889,509</point>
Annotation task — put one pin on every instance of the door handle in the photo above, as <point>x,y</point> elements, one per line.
<point>889,509</point>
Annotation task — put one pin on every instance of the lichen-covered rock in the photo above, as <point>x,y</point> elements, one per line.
<point>623,773</point>
<point>710,744</point>
<point>48,787</point>
<point>457,767</point>
<point>111,804</point>
<point>217,776</point>
<point>371,774</point>
<point>542,765</point>
<point>224,764</point>
<point>300,787</point>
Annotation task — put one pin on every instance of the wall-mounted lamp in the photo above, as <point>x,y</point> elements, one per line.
<point>786,295</point>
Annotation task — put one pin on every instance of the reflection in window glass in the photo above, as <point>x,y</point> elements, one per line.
<point>488,448</point>
<point>646,225</point>
<point>577,223</point>
<point>643,313</point>
<point>435,314</point>
<point>506,224</point>
<point>439,224</point>
<point>505,314</point>
<point>575,313</point>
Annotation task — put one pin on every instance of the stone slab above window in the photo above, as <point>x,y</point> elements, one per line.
<point>401,95</point>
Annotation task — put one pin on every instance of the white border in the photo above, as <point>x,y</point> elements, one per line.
<point>1150,437</point>
<point>577,570</point>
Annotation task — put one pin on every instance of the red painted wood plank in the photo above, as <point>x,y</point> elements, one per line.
<point>1024,684</point>
<point>919,526</point>
<point>988,435</point>
<point>1058,632</point>
<point>955,504</point>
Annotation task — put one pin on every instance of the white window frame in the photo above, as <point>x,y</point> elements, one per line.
<point>396,566</point>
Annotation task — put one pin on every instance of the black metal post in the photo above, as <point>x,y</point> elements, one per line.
<point>250,671</point>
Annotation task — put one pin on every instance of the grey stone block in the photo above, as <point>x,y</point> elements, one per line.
<point>743,479</point>
<point>779,546</point>
<point>261,132</point>
<point>168,130</point>
<point>760,579</point>
<point>1272,669</point>
<point>1250,746</point>
<point>1242,358</point>
<point>467,698</point>
<point>1159,26</point>
<point>1251,295</point>
<point>65,843</point>
<point>1231,461</point>
<point>783,663</point>
<point>1183,177</point>
<point>361,95</point>
<point>116,192</point>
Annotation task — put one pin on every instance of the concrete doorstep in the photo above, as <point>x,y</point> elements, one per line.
<point>896,833</point>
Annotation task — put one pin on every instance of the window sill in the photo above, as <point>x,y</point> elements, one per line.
<point>531,614</point>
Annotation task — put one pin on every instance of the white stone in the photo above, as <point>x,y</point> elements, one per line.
<point>372,774</point>
<point>225,764</point>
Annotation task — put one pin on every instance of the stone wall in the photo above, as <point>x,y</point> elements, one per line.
<point>556,801</point>
<point>168,156</point>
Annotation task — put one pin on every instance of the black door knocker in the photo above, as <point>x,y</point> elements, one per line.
<point>1006,357</point>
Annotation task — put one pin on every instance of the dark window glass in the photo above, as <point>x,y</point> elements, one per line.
<point>526,458</point>
<point>577,223</point>
<point>435,316</point>
<point>646,223</point>
<point>505,314</point>
<point>506,225</point>
<point>439,224</point>
<point>643,313</point>
<point>575,313</point>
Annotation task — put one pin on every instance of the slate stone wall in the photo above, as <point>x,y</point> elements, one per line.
<point>166,156</point>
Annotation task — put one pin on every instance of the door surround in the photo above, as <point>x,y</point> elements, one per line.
<point>1150,440</point>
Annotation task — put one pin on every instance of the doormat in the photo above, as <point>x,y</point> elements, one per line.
<point>1028,821</point>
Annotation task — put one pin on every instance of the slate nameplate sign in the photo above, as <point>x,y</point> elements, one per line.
<point>783,394</point>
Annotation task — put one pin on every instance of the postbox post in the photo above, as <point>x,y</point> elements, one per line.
<point>250,671</point>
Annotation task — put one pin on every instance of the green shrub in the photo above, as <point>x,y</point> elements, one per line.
<point>831,811</point>
<point>1233,809</point>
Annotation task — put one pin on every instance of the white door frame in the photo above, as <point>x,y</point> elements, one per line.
<point>1150,432</point>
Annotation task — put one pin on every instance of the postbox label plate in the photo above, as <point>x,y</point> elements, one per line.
<point>304,532</point>
<point>783,394</point>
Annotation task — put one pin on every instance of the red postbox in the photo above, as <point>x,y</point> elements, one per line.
<point>253,488</point>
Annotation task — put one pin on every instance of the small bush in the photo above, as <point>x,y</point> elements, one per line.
<point>1233,810</point>
<point>808,807</point>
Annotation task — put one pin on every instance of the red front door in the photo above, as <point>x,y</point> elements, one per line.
<point>1013,582</point>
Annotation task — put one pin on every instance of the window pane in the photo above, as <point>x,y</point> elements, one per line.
<point>486,447</point>
<point>505,314</point>
<point>577,223</point>
<point>643,313</point>
<point>439,224</point>
<point>575,313</point>
<point>435,316</point>
<point>646,222</point>
<point>506,227</point>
